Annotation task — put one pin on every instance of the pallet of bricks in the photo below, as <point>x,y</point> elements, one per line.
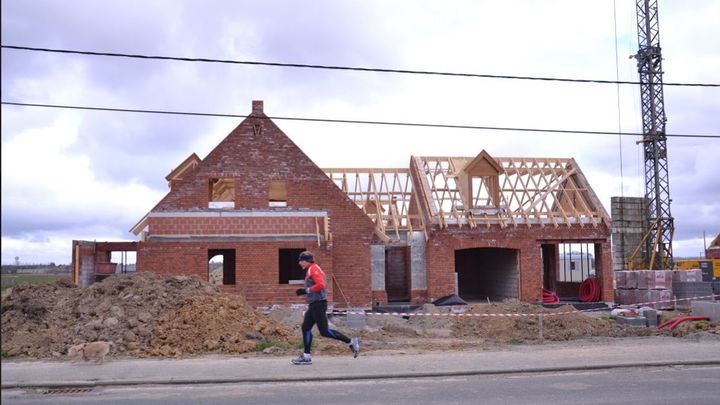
<point>660,289</point>
<point>652,288</point>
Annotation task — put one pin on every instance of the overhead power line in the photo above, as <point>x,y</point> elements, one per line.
<point>332,67</point>
<point>348,121</point>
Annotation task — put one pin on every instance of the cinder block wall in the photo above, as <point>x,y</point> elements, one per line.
<point>629,215</point>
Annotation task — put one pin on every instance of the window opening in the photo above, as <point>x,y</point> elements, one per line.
<point>277,194</point>
<point>482,195</point>
<point>126,261</point>
<point>221,266</point>
<point>290,271</point>
<point>576,262</point>
<point>222,193</point>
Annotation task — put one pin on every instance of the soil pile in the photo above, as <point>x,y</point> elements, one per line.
<point>222,323</point>
<point>563,323</point>
<point>130,310</point>
<point>450,328</point>
<point>36,318</point>
<point>148,315</point>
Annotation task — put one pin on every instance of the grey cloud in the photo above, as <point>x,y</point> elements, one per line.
<point>144,148</point>
<point>30,219</point>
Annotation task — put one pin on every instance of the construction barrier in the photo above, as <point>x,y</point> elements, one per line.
<point>462,314</point>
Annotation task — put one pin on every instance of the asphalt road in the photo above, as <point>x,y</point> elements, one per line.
<point>695,385</point>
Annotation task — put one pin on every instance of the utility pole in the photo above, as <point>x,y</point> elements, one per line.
<point>658,244</point>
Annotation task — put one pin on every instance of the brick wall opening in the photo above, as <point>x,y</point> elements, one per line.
<point>221,193</point>
<point>290,271</point>
<point>487,274</point>
<point>277,194</point>
<point>549,257</point>
<point>576,263</point>
<point>221,266</point>
<point>397,274</point>
<point>482,192</point>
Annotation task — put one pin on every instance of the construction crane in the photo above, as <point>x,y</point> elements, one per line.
<point>658,239</point>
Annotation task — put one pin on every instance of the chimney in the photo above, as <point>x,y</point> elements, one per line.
<point>257,106</point>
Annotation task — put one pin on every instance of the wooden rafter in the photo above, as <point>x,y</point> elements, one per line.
<point>532,191</point>
<point>544,191</point>
<point>384,195</point>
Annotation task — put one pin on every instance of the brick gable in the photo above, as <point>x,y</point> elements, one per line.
<point>255,154</point>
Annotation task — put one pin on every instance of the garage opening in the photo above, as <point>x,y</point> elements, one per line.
<point>397,273</point>
<point>487,273</point>
<point>221,266</point>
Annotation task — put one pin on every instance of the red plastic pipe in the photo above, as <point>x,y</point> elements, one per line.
<point>550,297</point>
<point>589,290</point>
<point>677,321</point>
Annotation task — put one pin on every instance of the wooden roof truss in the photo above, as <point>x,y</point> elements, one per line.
<point>544,191</point>
<point>384,195</point>
<point>532,191</point>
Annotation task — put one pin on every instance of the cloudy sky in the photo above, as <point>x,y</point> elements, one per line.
<point>90,175</point>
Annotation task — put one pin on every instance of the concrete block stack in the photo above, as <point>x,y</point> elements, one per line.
<point>644,286</point>
<point>687,276</point>
<point>688,284</point>
<point>709,309</point>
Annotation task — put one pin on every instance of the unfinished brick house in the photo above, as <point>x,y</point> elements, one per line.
<point>486,228</point>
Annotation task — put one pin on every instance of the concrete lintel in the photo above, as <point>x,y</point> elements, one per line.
<point>235,213</point>
<point>234,238</point>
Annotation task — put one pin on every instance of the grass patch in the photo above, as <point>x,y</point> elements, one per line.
<point>12,280</point>
<point>264,344</point>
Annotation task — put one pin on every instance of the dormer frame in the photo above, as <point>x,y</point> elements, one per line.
<point>485,168</point>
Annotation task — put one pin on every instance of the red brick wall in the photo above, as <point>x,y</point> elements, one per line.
<point>419,296</point>
<point>528,241</point>
<point>254,154</point>
<point>604,269</point>
<point>235,225</point>
<point>256,266</point>
<point>379,297</point>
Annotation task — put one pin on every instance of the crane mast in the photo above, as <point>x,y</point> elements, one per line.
<point>658,243</point>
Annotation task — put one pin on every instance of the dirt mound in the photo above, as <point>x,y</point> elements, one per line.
<point>558,324</point>
<point>44,320</point>
<point>148,315</point>
<point>217,323</point>
<point>32,323</point>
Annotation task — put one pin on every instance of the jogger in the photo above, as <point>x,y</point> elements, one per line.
<point>316,297</point>
<point>317,314</point>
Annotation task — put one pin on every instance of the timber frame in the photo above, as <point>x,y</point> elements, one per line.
<point>472,192</point>
<point>385,195</point>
